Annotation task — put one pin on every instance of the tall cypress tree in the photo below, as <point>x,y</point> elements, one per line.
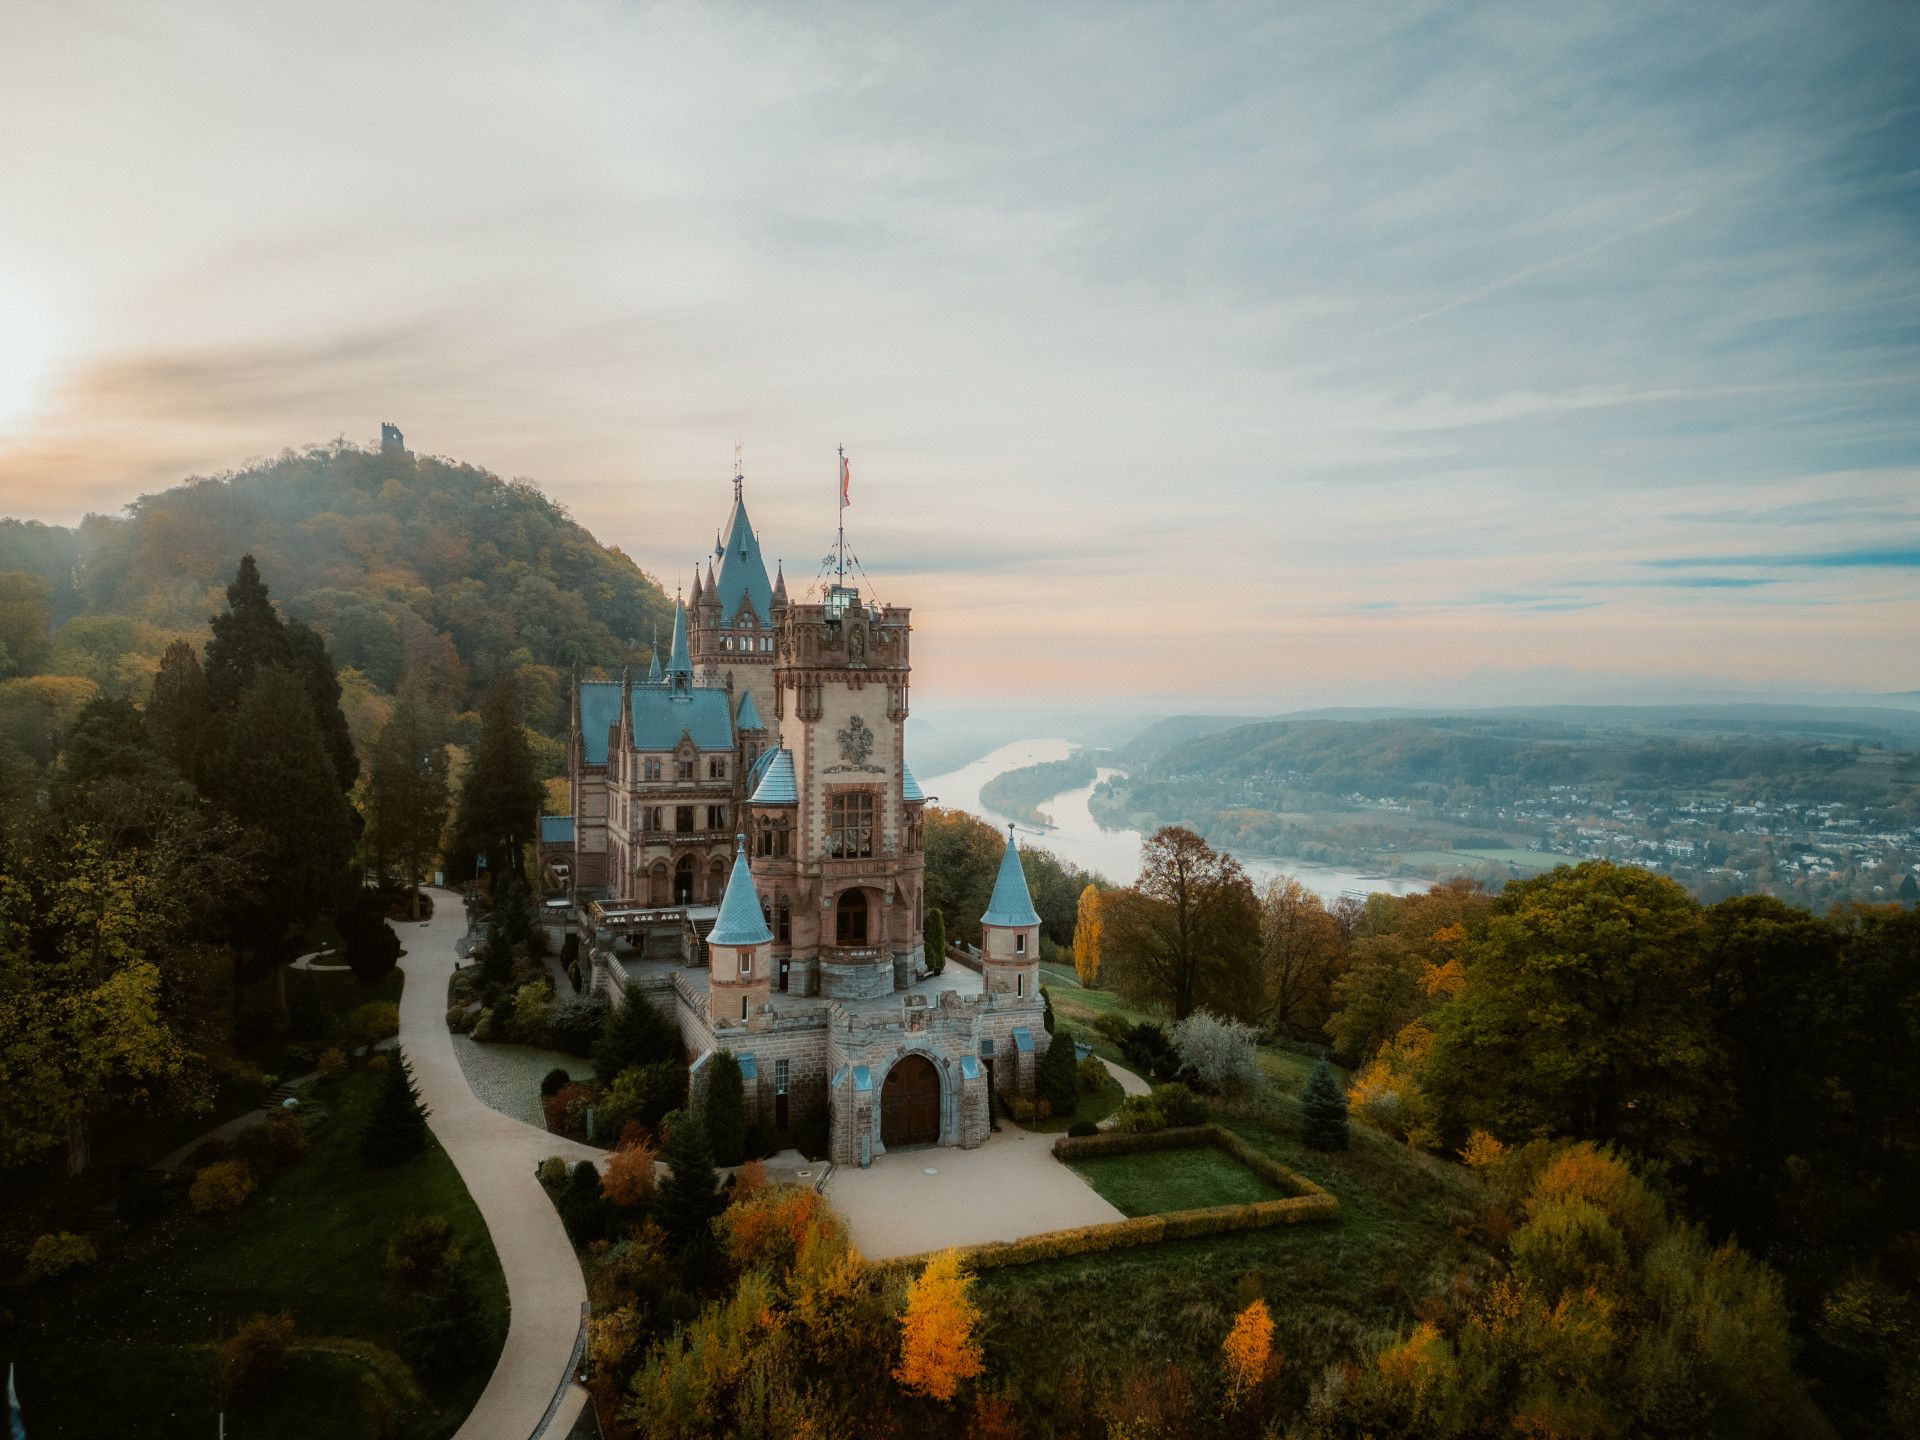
<point>725,1113</point>
<point>500,796</point>
<point>689,1197</point>
<point>314,666</point>
<point>1060,1073</point>
<point>247,637</point>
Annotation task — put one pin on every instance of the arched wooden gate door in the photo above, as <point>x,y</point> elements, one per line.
<point>910,1104</point>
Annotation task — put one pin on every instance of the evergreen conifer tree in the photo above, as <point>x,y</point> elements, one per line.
<point>1323,1107</point>
<point>408,792</point>
<point>725,1113</point>
<point>689,1198</point>
<point>397,1128</point>
<point>500,796</point>
<point>180,710</point>
<point>314,666</point>
<point>636,1034</point>
<point>1059,1073</point>
<point>247,638</point>
<point>935,934</point>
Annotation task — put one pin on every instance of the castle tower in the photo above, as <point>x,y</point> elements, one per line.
<point>733,619</point>
<point>840,702</point>
<point>392,442</point>
<point>738,950</point>
<point>1010,932</point>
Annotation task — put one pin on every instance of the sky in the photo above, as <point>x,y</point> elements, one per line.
<point>1299,354</point>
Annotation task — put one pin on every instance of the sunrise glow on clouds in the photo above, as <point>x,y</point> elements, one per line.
<point>1338,353</point>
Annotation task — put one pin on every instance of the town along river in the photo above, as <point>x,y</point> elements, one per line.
<point>1079,839</point>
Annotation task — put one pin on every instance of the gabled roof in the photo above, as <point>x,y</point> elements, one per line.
<point>743,573</point>
<point>777,785</point>
<point>1012,902</point>
<point>749,718</point>
<point>909,787</point>
<point>740,921</point>
<point>660,718</point>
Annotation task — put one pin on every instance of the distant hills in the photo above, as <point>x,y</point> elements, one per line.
<point>413,568</point>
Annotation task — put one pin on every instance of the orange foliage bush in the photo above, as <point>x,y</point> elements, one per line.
<point>773,1228</point>
<point>1247,1352</point>
<point>224,1185</point>
<point>938,1349</point>
<point>628,1179</point>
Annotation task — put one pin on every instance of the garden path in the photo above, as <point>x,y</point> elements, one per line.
<point>1130,1083</point>
<point>496,1156</point>
<point>1009,1188</point>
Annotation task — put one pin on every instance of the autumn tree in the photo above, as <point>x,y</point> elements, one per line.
<point>1188,933</point>
<point>1403,962</point>
<point>407,793</point>
<point>1246,1355</point>
<point>1086,937</point>
<point>938,1347</point>
<point>1301,955</point>
<point>25,610</point>
<point>500,794</point>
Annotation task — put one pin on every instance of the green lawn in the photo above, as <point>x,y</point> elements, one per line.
<point>129,1349</point>
<point>1329,1286</point>
<point>1162,1180</point>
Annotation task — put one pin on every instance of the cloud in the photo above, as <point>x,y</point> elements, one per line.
<point>1896,558</point>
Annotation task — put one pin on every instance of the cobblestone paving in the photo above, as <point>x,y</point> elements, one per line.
<point>507,1077</point>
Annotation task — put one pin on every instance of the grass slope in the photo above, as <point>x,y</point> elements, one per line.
<point>130,1349</point>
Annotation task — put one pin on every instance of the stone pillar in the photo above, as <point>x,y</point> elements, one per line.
<point>975,1104</point>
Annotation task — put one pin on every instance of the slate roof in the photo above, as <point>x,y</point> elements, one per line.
<point>556,830</point>
<point>777,785</point>
<point>909,787</point>
<point>750,714</point>
<point>740,922</point>
<point>660,717</point>
<point>1012,902</point>
<point>743,573</point>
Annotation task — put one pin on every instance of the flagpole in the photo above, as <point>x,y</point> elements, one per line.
<point>842,478</point>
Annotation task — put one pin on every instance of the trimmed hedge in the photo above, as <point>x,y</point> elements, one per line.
<point>1307,1205</point>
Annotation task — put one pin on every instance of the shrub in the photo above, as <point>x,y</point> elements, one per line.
<point>397,1127</point>
<point>485,1028</point>
<point>645,1094</point>
<point>1019,1108</point>
<point>56,1254</point>
<point>1113,1025</point>
<point>1323,1110</point>
<point>1092,1073</point>
<point>552,1173</point>
<point>256,1355</point>
<point>628,1179</point>
<point>1179,1105</point>
<point>286,1137</point>
<point>1059,1073</point>
<point>1083,1127</point>
<point>566,1110</point>
<point>222,1186</point>
<point>689,1197</point>
<point>375,1021</point>
<point>1222,1055</point>
<point>1139,1114</point>
<point>1148,1050</point>
<point>372,949</point>
<point>460,1019</point>
<point>332,1063</point>
<point>526,1022</point>
<point>442,1345</point>
<point>553,1082</point>
<point>634,1035</point>
<point>725,1111</point>
<point>934,941</point>
<point>1046,1015</point>
<point>376,1064</point>
<point>575,1022</point>
<point>422,1252</point>
<point>582,1210</point>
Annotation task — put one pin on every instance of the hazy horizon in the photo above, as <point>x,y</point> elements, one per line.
<point>1270,358</point>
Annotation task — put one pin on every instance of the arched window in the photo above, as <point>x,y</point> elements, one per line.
<point>850,918</point>
<point>782,921</point>
<point>683,881</point>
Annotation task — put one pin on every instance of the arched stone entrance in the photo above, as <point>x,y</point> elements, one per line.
<point>850,916</point>
<point>910,1103</point>
<point>683,874</point>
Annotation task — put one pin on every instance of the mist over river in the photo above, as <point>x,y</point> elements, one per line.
<point>1080,839</point>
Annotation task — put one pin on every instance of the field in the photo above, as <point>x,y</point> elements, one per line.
<point>129,1349</point>
<point>1160,1181</point>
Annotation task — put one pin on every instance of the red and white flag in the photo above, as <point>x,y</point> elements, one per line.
<point>846,475</point>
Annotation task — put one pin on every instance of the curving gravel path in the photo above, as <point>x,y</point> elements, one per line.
<point>496,1156</point>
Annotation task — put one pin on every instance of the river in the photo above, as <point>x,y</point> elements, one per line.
<point>1081,840</point>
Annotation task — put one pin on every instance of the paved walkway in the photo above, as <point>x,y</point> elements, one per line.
<point>1008,1188</point>
<point>1130,1083</point>
<point>496,1156</point>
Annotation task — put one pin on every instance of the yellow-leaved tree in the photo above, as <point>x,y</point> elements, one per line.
<point>1086,937</point>
<point>1247,1352</point>
<point>938,1348</point>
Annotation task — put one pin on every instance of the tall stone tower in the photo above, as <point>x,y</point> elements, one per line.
<point>734,612</point>
<point>855,864</point>
<point>1010,932</point>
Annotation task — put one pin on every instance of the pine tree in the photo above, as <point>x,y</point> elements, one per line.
<point>636,1035</point>
<point>500,796</point>
<point>397,1128</point>
<point>1060,1073</point>
<point>408,792</point>
<point>1323,1107</point>
<point>180,710</point>
<point>314,666</point>
<point>934,936</point>
<point>247,638</point>
<point>689,1197</point>
<point>725,1113</point>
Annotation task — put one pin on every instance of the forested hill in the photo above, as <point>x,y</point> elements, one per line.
<point>412,568</point>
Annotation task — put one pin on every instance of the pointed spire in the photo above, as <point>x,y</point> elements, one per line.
<point>678,665</point>
<point>694,599</point>
<point>780,583</point>
<point>740,921</point>
<point>1012,902</point>
<point>713,590</point>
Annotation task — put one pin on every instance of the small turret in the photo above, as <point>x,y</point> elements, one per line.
<point>1010,932</point>
<point>780,587</point>
<point>737,949</point>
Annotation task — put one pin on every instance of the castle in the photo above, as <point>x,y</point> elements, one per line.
<point>745,850</point>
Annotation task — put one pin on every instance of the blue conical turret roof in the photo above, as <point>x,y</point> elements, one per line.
<point>743,572</point>
<point>740,922</point>
<point>677,661</point>
<point>750,714</point>
<point>1012,902</point>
